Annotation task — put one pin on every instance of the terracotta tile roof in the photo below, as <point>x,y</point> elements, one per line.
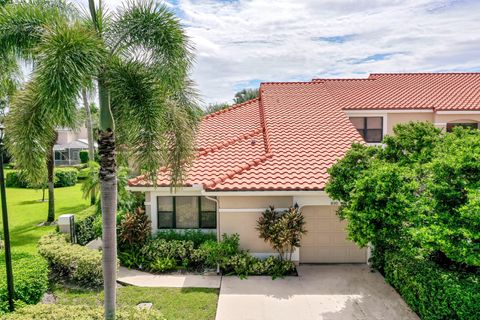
<point>434,91</point>
<point>287,138</point>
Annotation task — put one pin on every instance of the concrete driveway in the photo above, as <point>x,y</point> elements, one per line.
<point>319,292</point>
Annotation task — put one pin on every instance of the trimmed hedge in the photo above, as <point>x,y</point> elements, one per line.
<point>63,178</point>
<point>66,312</point>
<point>71,262</point>
<point>431,291</point>
<point>83,156</point>
<point>30,275</point>
<point>86,229</point>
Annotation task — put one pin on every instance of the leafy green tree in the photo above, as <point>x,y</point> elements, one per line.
<point>412,142</point>
<point>419,191</point>
<point>245,95</point>
<point>139,57</point>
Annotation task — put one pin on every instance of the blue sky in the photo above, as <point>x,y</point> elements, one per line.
<point>241,43</point>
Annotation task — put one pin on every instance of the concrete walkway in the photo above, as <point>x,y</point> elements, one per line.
<point>144,279</point>
<point>325,292</point>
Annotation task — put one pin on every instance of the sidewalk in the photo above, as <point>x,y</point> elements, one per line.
<point>145,279</point>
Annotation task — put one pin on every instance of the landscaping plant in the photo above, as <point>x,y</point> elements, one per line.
<point>282,230</point>
<point>71,262</point>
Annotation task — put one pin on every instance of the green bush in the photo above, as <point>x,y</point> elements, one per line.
<point>196,236</point>
<point>86,229</point>
<point>31,280</point>
<point>15,179</point>
<point>180,251</point>
<point>71,262</point>
<point>211,252</point>
<point>64,312</point>
<point>83,156</point>
<point>65,177</point>
<point>431,291</point>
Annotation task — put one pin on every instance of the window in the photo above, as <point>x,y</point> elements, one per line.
<point>186,213</point>
<point>370,128</point>
<point>61,155</point>
<point>450,126</point>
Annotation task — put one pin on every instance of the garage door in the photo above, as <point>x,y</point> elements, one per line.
<point>326,239</point>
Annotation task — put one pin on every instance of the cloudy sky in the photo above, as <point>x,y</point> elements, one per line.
<point>242,43</point>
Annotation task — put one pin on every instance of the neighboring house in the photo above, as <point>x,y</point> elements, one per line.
<point>276,149</point>
<point>69,144</point>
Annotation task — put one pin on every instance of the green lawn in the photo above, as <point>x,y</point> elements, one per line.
<point>174,303</point>
<point>25,212</point>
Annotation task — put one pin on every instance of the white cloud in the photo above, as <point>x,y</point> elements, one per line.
<point>246,40</point>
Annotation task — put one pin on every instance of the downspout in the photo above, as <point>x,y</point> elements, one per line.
<point>218,221</point>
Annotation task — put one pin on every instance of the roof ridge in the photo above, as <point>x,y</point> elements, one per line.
<point>242,168</point>
<point>263,122</point>
<point>232,107</point>
<point>422,73</point>
<point>341,79</point>
<point>288,82</point>
<point>232,141</point>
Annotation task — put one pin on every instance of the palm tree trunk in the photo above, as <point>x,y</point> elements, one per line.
<point>91,147</point>
<point>51,181</point>
<point>108,189</point>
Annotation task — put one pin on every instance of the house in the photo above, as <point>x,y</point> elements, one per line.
<point>276,149</point>
<point>69,144</point>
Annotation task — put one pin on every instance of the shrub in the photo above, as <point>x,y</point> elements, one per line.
<point>31,280</point>
<point>67,312</point>
<point>243,264</point>
<point>196,236</point>
<point>162,264</point>
<point>16,179</point>
<point>71,262</point>
<point>83,156</point>
<point>134,230</point>
<point>65,177</point>
<point>85,228</point>
<point>211,252</point>
<point>283,230</point>
<point>433,292</point>
<point>180,251</point>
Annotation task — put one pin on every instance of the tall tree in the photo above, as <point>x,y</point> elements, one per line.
<point>140,58</point>
<point>245,95</point>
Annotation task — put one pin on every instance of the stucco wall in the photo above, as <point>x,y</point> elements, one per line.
<point>442,119</point>
<point>240,214</point>
<point>395,118</point>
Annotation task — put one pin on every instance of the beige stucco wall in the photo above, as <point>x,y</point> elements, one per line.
<point>442,119</point>
<point>395,118</point>
<point>243,222</point>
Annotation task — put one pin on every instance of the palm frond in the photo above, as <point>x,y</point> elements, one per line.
<point>149,32</point>
<point>68,56</point>
<point>29,134</point>
<point>22,24</point>
<point>92,181</point>
<point>154,127</point>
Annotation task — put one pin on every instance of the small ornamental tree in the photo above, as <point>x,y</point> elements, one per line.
<point>134,230</point>
<point>282,230</point>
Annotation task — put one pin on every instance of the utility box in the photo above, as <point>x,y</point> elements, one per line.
<point>66,224</point>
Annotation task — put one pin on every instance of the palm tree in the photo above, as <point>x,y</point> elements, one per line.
<point>139,57</point>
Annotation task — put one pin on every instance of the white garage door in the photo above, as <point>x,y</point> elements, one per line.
<point>326,240</point>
